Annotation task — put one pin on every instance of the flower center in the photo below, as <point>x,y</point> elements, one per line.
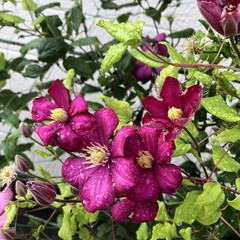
<point>7,174</point>
<point>145,159</point>
<point>59,115</point>
<point>232,4</point>
<point>97,155</point>
<point>175,113</point>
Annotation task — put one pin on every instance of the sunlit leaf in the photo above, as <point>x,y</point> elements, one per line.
<point>227,163</point>
<point>218,107</point>
<point>186,233</point>
<point>229,135</point>
<point>29,5</point>
<point>164,231</point>
<point>142,232</point>
<point>235,203</point>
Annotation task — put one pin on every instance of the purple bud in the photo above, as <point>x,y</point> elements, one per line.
<point>20,188</point>
<point>43,193</point>
<point>7,234</point>
<point>25,130</point>
<point>223,16</point>
<point>21,163</point>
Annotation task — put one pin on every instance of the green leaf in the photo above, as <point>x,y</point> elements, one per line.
<point>43,154</point>
<point>65,189</point>
<point>218,107</point>
<point>210,212</point>
<point>11,211</point>
<point>142,232</point>
<point>231,76</point>
<point>2,61</point>
<point>51,49</point>
<point>86,41</point>
<point>33,71</point>
<point>145,59</point>
<point>84,234</point>
<point>29,5</point>
<point>189,209</point>
<point>182,34</point>
<point>226,85</point>
<point>176,56</point>
<point>44,7</point>
<point>181,147</point>
<point>65,231</point>
<point>162,214</point>
<point>77,17</point>
<point>164,231</point>
<point>186,233</point>
<point>227,163</point>
<point>114,54</point>
<point>235,203</point>
<point>238,184</point>
<point>6,18</point>
<point>229,135</point>
<point>201,77</point>
<point>121,108</point>
<point>166,72</point>
<point>44,173</point>
<point>31,45</point>
<point>128,33</point>
<point>192,129</point>
<point>38,20</point>
<point>80,66</point>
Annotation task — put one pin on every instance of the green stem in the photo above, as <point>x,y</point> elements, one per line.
<point>234,45</point>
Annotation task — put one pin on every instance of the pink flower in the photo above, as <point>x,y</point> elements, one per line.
<point>141,212</point>
<point>60,121</point>
<point>103,172</point>
<point>5,196</point>
<point>143,72</point>
<point>175,109</point>
<point>222,15</point>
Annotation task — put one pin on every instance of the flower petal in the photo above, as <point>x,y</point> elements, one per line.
<point>78,105</point>
<point>122,209</point>
<point>106,122</point>
<point>41,109</point>
<point>5,196</point>
<point>125,134</point>
<point>171,92</point>
<point>169,177</point>
<point>155,107</point>
<point>60,94</point>
<point>98,193</point>
<point>47,133</point>
<point>156,122</point>
<point>76,172</point>
<point>144,212</point>
<point>149,137</point>
<point>166,145</point>
<point>125,174</point>
<point>68,140</point>
<point>3,219</point>
<point>191,99</point>
<point>147,189</point>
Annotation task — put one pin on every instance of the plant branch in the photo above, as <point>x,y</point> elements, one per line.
<point>230,226</point>
<point>234,45</point>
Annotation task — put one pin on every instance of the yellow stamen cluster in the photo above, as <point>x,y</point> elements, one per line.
<point>59,115</point>
<point>97,155</point>
<point>7,174</point>
<point>145,159</point>
<point>174,113</point>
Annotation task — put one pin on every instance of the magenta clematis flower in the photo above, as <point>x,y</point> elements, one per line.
<point>62,122</point>
<point>103,173</point>
<point>153,157</point>
<point>175,109</point>
<point>222,15</point>
<point>141,212</point>
<point>143,72</point>
<point>5,196</point>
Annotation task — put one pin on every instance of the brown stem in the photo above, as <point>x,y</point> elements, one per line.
<point>185,65</point>
<point>219,51</point>
<point>230,226</point>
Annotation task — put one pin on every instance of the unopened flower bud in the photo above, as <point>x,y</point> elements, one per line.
<point>20,188</point>
<point>25,130</point>
<point>223,16</point>
<point>21,163</point>
<point>43,193</point>
<point>8,234</point>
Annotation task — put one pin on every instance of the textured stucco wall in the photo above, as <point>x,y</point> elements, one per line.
<point>185,16</point>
